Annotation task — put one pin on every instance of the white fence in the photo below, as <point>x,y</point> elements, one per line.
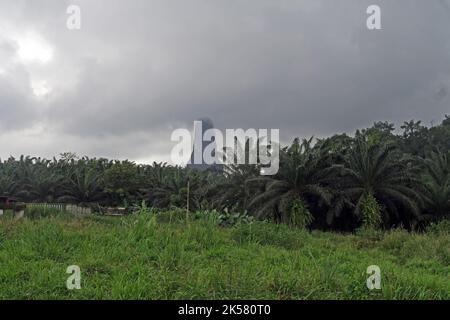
<point>72,208</point>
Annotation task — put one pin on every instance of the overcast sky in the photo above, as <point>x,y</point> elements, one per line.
<point>138,69</point>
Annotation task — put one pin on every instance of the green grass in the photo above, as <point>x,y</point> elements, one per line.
<point>161,257</point>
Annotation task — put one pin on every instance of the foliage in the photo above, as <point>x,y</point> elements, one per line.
<point>337,183</point>
<point>371,212</point>
<point>136,257</point>
<point>301,176</point>
<point>441,227</point>
<point>300,215</point>
<point>437,181</point>
<point>228,219</point>
<point>121,180</point>
<point>381,172</point>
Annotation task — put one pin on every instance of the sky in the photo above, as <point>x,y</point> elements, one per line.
<point>137,70</point>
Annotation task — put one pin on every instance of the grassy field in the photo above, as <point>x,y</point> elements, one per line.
<point>161,256</point>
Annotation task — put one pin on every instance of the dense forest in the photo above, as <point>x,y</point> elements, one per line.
<point>377,178</point>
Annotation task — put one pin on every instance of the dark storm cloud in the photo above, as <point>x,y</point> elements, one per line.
<point>137,70</point>
<point>17,106</point>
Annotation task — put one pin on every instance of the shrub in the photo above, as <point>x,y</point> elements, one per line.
<point>300,216</point>
<point>142,208</point>
<point>227,219</point>
<point>209,216</point>
<point>371,212</point>
<point>439,228</point>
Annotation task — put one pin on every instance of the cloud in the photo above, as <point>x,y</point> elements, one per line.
<point>18,109</point>
<point>135,71</point>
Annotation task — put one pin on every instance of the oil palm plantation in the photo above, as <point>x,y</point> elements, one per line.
<point>381,183</point>
<point>300,180</point>
<point>170,186</point>
<point>437,182</point>
<point>82,186</point>
<point>231,190</point>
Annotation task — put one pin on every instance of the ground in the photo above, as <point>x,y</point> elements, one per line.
<point>162,256</point>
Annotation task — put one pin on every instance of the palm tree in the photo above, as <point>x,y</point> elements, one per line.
<point>301,178</point>
<point>171,190</point>
<point>167,186</point>
<point>8,184</point>
<point>82,186</point>
<point>378,172</point>
<point>230,190</point>
<point>44,186</point>
<point>437,182</point>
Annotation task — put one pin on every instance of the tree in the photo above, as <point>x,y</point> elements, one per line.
<point>446,121</point>
<point>411,128</point>
<point>121,181</point>
<point>168,187</point>
<point>381,132</point>
<point>82,186</point>
<point>231,190</point>
<point>415,138</point>
<point>299,178</point>
<point>437,182</point>
<point>383,173</point>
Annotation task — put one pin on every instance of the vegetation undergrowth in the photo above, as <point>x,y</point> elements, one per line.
<point>155,254</point>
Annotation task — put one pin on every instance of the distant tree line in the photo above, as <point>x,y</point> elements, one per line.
<point>377,178</point>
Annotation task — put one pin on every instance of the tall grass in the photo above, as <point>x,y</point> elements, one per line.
<point>158,255</point>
